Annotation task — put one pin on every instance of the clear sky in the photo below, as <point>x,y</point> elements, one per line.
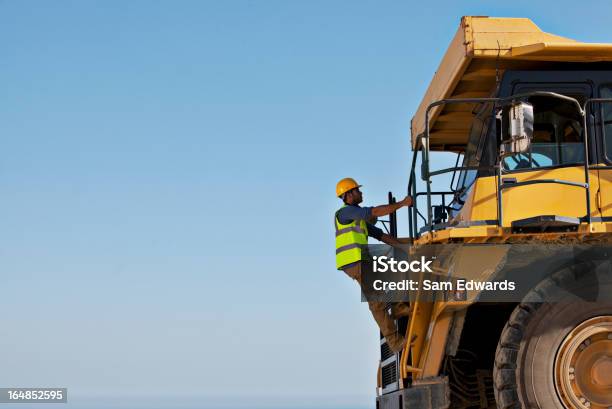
<point>167,174</point>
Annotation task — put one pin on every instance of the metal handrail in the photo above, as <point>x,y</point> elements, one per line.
<point>423,146</point>
<point>538,181</point>
<point>456,168</point>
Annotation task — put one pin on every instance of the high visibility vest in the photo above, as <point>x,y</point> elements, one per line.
<point>351,242</point>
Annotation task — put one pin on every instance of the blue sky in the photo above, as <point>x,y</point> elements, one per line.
<point>167,174</point>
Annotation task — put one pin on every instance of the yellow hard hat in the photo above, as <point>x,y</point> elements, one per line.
<point>345,185</point>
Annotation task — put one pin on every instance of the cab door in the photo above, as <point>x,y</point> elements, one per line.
<point>603,129</point>
<point>557,152</point>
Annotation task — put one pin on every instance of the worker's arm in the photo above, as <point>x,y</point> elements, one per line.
<point>378,234</point>
<point>390,240</point>
<point>384,210</point>
<point>350,213</point>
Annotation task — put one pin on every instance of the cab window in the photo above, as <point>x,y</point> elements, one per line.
<point>471,157</point>
<point>557,135</point>
<point>606,109</point>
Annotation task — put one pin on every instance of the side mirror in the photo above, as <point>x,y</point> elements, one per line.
<point>517,122</point>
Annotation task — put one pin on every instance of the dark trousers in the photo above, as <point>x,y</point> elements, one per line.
<point>379,310</point>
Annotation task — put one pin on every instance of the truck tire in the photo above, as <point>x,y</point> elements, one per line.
<point>555,351</point>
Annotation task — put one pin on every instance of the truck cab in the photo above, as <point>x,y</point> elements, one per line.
<point>519,122</point>
<point>556,153</point>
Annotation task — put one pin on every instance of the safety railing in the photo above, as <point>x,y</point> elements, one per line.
<point>426,174</point>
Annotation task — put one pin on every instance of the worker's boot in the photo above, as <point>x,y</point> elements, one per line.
<point>396,342</point>
<point>400,309</point>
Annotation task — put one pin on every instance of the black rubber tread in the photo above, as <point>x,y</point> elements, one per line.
<point>578,280</point>
<point>504,372</point>
<point>506,355</point>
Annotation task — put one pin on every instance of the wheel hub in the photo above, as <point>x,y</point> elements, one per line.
<point>602,371</point>
<point>583,365</point>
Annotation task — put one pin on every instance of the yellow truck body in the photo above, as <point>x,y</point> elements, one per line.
<point>499,58</point>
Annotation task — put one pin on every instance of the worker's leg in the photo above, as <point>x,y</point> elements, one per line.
<point>400,309</point>
<point>379,312</point>
<point>353,271</point>
<point>386,325</point>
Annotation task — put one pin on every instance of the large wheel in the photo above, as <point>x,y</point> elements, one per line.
<point>555,352</point>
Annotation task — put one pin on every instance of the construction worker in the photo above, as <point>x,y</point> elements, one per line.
<point>353,226</point>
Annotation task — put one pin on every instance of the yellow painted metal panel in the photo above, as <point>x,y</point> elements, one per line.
<point>484,24</point>
<point>419,322</point>
<point>431,359</point>
<point>534,200</point>
<point>452,66</point>
<point>549,199</point>
<point>604,198</point>
<point>571,51</point>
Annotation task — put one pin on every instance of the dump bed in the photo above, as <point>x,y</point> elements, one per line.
<point>480,51</point>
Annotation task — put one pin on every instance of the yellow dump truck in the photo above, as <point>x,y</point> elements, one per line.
<point>528,116</point>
